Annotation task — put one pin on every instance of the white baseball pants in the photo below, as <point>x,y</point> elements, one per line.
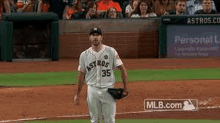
<point>100,102</point>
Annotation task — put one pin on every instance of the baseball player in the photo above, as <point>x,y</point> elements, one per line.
<point>96,68</point>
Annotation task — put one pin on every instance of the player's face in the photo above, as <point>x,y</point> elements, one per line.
<point>207,5</point>
<point>143,7</point>
<point>96,39</point>
<point>181,7</point>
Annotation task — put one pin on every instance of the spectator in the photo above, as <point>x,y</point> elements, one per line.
<point>1,9</point>
<point>190,7</point>
<point>91,10</point>
<point>70,10</point>
<point>29,7</point>
<point>13,5</point>
<point>206,8</point>
<point>152,4</point>
<point>193,5</point>
<point>4,7</point>
<point>103,5</point>
<point>112,13</point>
<point>7,6</point>
<point>180,8</point>
<point>162,7</point>
<point>89,13</point>
<point>84,2</point>
<point>43,6</point>
<point>131,7</point>
<point>17,3</point>
<point>143,10</point>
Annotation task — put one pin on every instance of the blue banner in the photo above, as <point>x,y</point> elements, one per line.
<point>193,41</point>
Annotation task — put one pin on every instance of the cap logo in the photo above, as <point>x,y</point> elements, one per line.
<point>95,28</point>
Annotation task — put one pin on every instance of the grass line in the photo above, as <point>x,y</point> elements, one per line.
<point>70,77</point>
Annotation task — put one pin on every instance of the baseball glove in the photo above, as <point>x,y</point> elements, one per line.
<point>117,93</point>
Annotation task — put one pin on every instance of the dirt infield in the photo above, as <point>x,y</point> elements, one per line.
<point>53,101</point>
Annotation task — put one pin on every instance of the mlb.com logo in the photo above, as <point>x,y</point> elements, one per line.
<point>171,104</point>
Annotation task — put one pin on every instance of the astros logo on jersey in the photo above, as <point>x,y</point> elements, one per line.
<point>106,56</point>
<point>117,57</point>
<point>99,63</point>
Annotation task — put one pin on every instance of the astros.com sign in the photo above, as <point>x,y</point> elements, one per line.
<point>191,20</point>
<point>203,20</point>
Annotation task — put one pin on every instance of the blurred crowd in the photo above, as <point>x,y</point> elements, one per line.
<point>89,9</point>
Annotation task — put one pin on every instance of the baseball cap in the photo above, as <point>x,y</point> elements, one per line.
<point>95,30</point>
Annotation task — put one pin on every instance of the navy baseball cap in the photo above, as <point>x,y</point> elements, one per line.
<point>95,30</point>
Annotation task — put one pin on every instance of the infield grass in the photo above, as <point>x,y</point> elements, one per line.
<point>131,121</point>
<point>70,77</point>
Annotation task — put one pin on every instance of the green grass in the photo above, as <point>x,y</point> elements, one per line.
<point>168,74</point>
<point>61,78</point>
<point>38,79</point>
<point>131,121</point>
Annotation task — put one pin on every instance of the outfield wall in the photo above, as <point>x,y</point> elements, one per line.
<point>132,38</point>
<point>167,37</point>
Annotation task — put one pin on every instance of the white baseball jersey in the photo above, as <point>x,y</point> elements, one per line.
<point>99,66</point>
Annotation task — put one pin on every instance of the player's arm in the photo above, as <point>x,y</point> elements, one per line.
<point>123,75</point>
<point>81,78</point>
<point>118,63</point>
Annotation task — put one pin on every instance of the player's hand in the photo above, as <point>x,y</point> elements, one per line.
<point>76,100</point>
<point>126,91</point>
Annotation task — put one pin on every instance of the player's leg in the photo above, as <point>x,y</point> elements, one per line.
<point>94,105</point>
<point>100,114</point>
<point>108,108</point>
